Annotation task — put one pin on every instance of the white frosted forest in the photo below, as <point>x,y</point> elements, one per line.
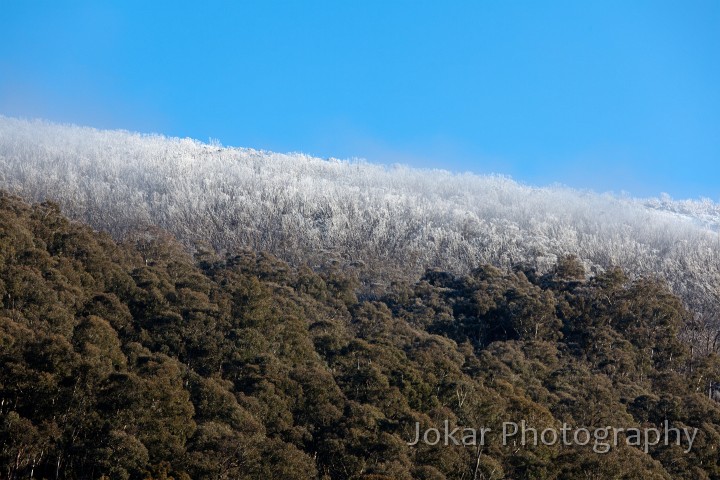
<point>396,221</point>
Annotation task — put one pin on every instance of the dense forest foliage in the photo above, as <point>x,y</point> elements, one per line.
<point>135,360</point>
<point>391,223</point>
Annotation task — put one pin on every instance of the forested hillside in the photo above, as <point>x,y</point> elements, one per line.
<point>390,222</point>
<point>135,360</point>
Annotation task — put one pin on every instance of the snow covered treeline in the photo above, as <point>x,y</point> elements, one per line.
<point>394,220</point>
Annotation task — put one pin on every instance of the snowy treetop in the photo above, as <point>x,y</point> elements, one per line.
<point>390,218</point>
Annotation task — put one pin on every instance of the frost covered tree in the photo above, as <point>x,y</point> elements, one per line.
<point>396,221</point>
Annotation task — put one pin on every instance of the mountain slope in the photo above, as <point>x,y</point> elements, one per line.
<point>397,221</point>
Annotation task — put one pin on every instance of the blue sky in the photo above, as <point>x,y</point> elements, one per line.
<point>606,95</point>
